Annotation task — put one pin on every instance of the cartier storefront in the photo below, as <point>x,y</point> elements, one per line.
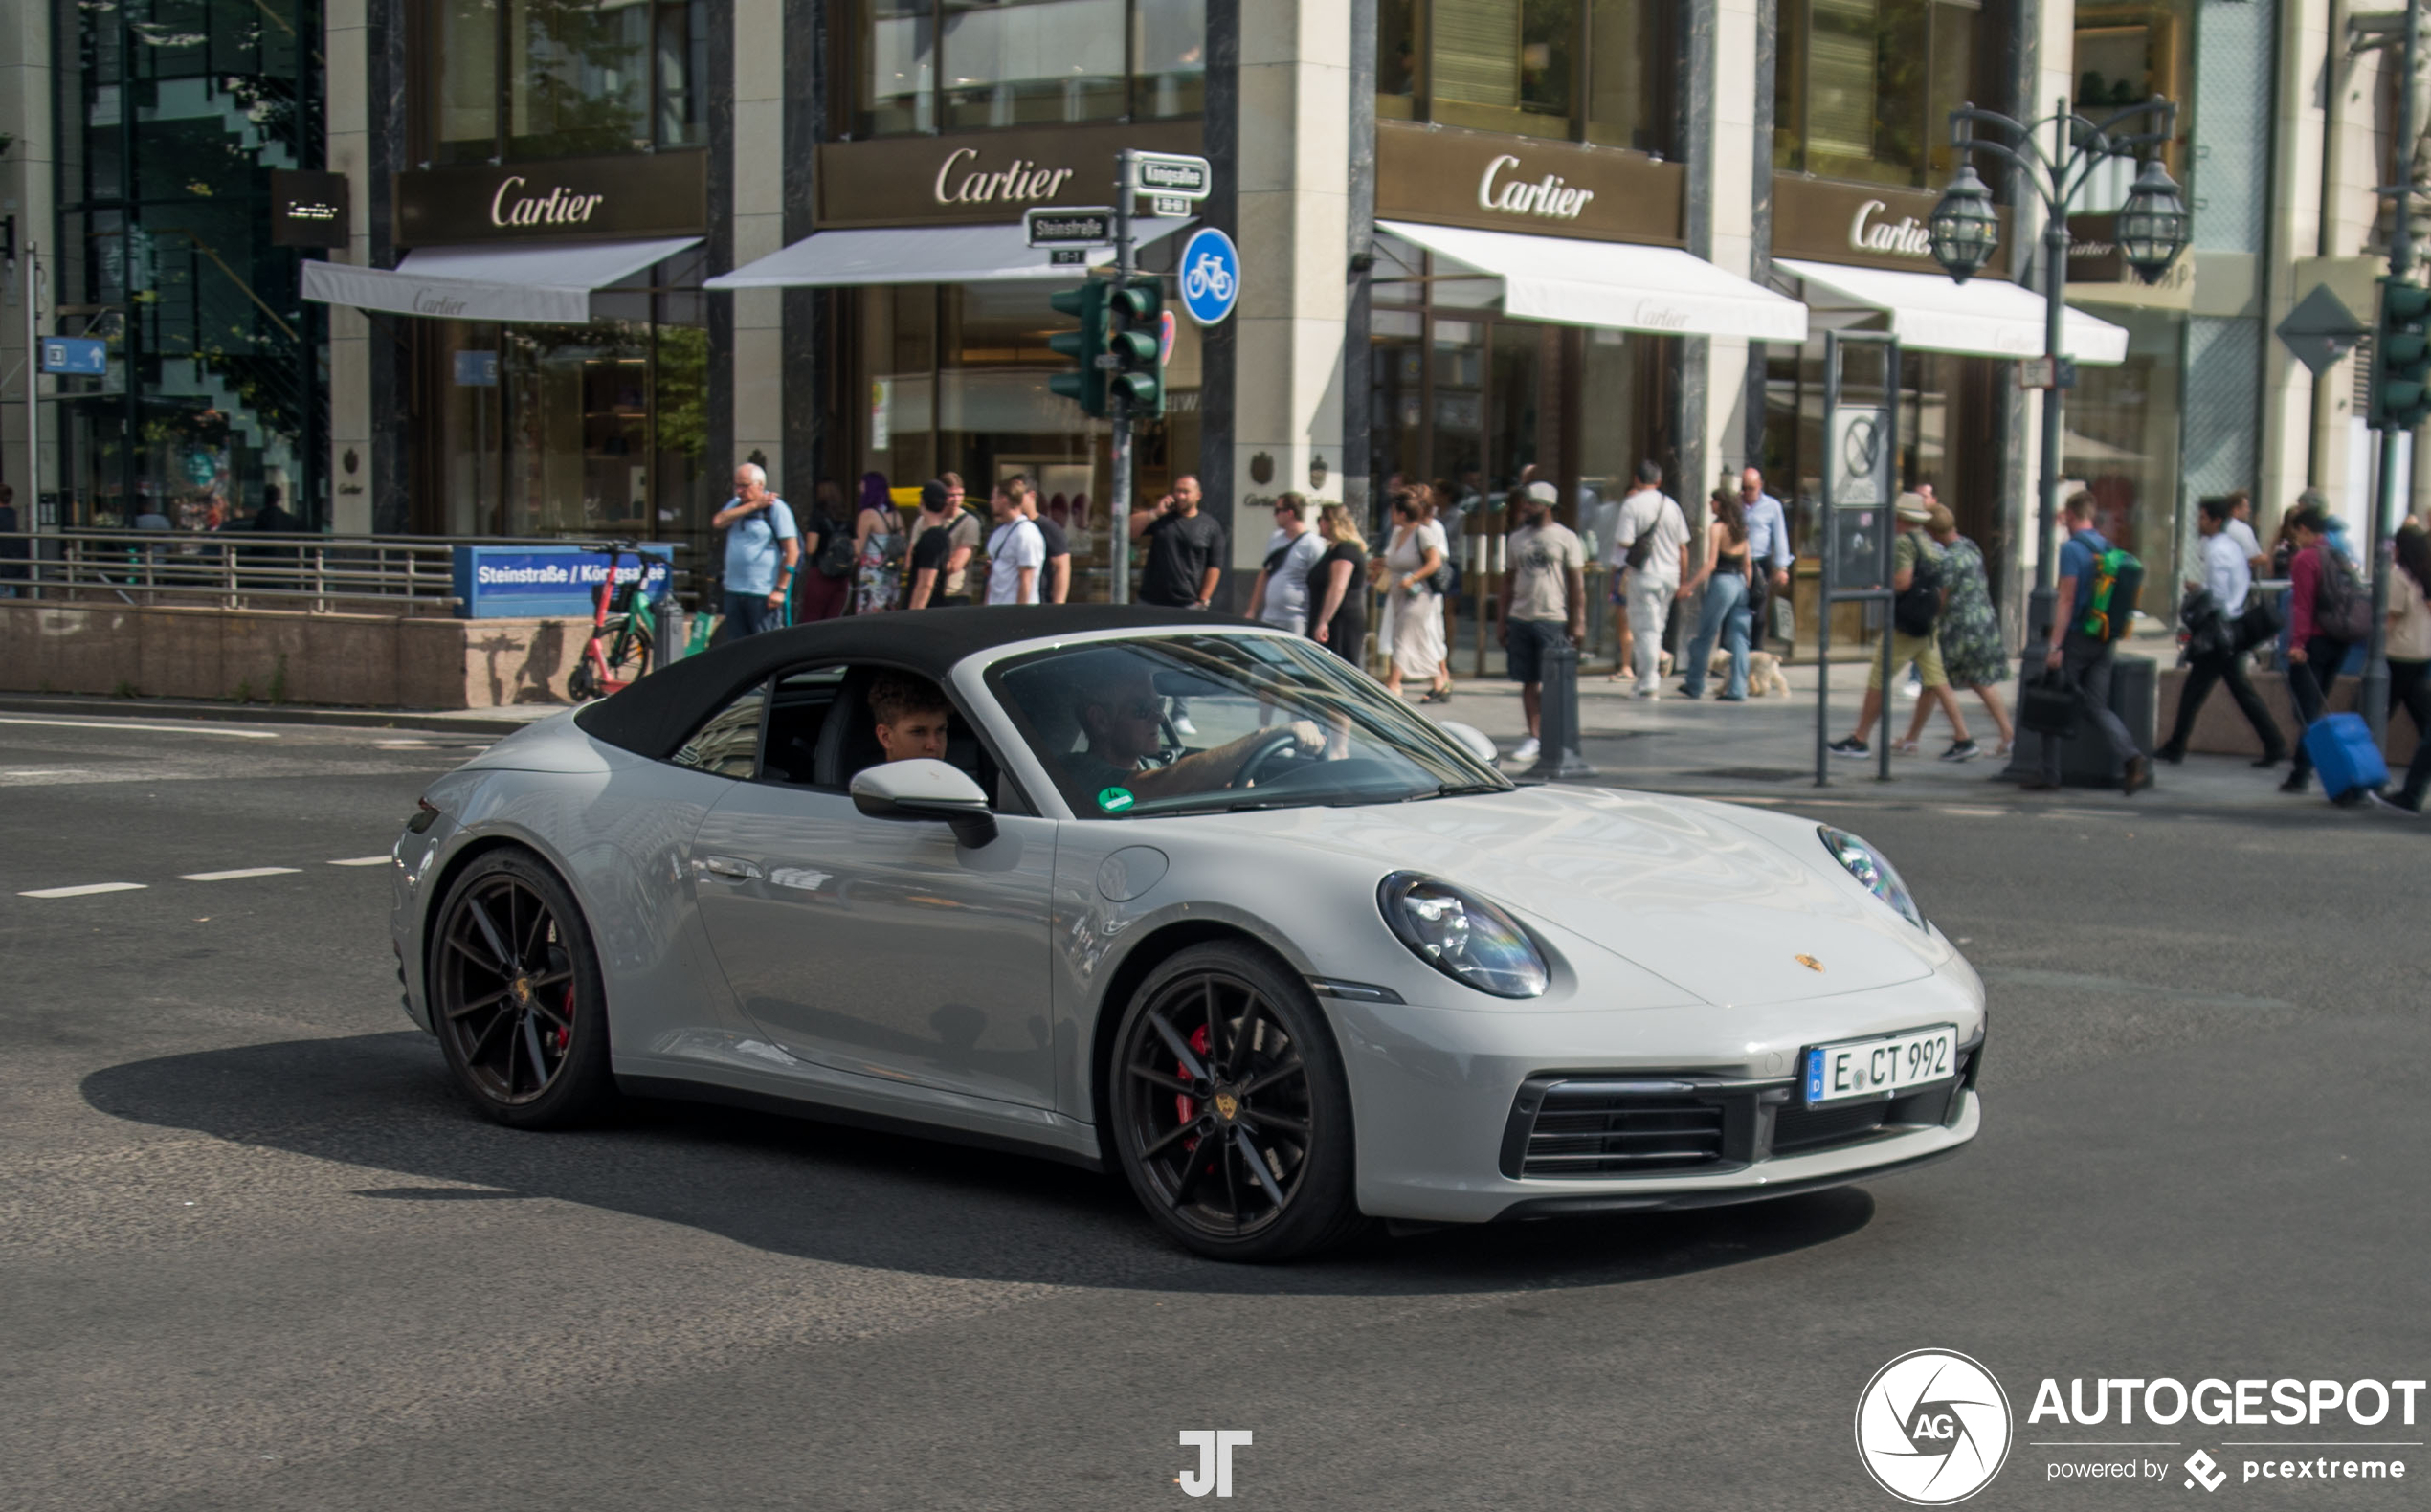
<point>939,358</point>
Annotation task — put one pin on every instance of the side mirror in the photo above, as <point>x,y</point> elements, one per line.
<point>927,789</point>
<point>1471,739</point>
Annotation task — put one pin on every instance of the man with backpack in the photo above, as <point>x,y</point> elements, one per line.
<point>825,584</point>
<point>2097,599</point>
<point>2328,614</point>
<point>763,549</point>
<point>1918,596</point>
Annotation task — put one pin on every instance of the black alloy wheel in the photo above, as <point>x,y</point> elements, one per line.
<point>1232,1115</point>
<point>515,994</point>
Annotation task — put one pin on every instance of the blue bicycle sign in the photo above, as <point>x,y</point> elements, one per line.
<point>1211,276</point>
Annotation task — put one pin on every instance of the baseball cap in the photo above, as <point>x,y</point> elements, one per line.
<point>1544,493</point>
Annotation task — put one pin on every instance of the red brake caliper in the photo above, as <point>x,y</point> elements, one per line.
<point>567,1034</point>
<point>1186,1107</point>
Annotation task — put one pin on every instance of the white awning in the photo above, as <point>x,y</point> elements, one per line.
<point>919,255</point>
<point>1617,285</point>
<point>550,282</point>
<point>1981,318</point>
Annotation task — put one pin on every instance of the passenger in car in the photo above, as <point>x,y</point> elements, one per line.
<point>1122,716</point>
<point>912,716</point>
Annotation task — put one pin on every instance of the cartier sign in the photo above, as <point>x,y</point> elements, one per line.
<point>1869,225</point>
<point>640,194</point>
<point>982,176</point>
<point>1451,177</point>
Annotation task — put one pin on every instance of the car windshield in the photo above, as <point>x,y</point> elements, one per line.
<point>1213,723</point>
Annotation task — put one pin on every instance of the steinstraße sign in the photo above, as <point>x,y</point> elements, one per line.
<point>1449,177</point>
<point>547,580</point>
<point>634,194</point>
<point>1864,225</point>
<point>982,177</point>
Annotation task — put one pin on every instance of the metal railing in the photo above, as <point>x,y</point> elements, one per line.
<point>241,569</point>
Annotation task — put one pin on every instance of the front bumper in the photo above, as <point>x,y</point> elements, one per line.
<point>1448,1103</point>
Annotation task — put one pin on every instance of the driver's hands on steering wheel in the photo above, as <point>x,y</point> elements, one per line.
<point>1307,733</point>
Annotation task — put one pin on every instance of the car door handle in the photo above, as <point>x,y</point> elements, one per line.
<point>727,867</point>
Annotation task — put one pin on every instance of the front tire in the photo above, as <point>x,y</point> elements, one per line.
<point>517,997</point>
<point>1232,1115</point>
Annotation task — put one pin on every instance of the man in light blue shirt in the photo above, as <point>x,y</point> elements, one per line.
<point>1768,543</point>
<point>762,546</point>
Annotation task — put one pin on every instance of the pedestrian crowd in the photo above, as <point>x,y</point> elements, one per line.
<point>1713,594</point>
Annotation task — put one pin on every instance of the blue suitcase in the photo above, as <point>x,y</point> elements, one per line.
<point>2342,751</point>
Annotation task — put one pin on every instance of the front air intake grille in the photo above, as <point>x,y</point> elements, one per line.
<point>1585,1124</point>
<point>1623,1129</point>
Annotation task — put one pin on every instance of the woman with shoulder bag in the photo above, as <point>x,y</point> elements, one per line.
<point>1413,608</point>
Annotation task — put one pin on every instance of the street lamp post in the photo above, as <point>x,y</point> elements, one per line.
<point>2151,231</point>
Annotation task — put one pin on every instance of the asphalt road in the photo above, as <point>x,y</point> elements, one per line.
<point>255,1255</point>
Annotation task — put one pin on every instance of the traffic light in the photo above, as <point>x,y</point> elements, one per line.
<point>1136,337</point>
<point>1086,385</point>
<point>2401,357</point>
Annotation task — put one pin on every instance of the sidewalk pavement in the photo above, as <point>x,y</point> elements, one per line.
<point>1760,751</point>
<point>493,723</point>
<point>1763,751</point>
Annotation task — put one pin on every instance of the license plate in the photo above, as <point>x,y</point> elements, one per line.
<point>1881,1066</point>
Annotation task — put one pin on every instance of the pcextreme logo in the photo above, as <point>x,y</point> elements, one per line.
<point>1215,1472</point>
<point>1933,1427</point>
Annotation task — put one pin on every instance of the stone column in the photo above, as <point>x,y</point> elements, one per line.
<point>1722,83</point>
<point>1292,208</point>
<point>757,184</point>
<point>26,193</point>
<point>347,120</point>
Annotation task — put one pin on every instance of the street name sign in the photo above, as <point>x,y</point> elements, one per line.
<point>1070,226</point>
<point>1175,175</point>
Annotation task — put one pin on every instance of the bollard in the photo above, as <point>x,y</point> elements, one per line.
<point>1557,754</point>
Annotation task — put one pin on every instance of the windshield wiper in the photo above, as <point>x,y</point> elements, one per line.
<point>1464,790</point>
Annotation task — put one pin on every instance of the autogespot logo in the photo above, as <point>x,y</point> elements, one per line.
<point>1933,1427</point>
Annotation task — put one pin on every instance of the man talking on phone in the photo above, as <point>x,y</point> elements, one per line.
<point>1185,549</point>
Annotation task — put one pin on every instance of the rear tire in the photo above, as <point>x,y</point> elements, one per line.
<point>517,997</point>
<point>1232,1115</point>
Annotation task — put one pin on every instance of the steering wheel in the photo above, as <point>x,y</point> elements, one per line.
<point>1270,749</point>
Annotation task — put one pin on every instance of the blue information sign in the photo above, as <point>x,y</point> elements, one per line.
<point>75,356</point>
<point>546,580</point>
<point>1211,276</point>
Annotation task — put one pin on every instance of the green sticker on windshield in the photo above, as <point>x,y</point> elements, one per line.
<point>1114,800</point>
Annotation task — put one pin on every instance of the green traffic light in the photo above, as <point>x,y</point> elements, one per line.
<point>2404,301</point>
<point>1086,384</point>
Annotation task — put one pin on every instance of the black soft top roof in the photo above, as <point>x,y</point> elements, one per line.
<point>657,715</point>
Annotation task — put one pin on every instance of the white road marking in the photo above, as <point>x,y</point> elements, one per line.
<point>154,729</point>
<point>363,860</point>
<point>84,891</point>
<point>1965,813</point>
<point>230,876</point>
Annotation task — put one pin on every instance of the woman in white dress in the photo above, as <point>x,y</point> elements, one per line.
<point>1412,610</point>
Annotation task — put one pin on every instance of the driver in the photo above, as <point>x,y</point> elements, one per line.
<point>1121,714</point>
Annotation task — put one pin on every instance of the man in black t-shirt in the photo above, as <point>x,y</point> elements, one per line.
<point>1055,581</point>
<point>932,546</point>
<point>1185,549</point>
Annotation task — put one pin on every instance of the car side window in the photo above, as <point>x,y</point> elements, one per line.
<point>805,698</point>
<point>729,744</point>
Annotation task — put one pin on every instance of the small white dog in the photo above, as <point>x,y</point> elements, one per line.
<point>1764,670</point>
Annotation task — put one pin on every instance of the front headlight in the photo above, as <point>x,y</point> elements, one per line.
<point>1462,936</point>
<point>1866,864</point>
